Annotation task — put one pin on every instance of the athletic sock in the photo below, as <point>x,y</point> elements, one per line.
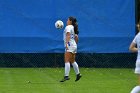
<point>75,67</point>
<point>135,89</point>
<point>67,68</point>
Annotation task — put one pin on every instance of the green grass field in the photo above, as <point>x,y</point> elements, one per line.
<point>46,80</point>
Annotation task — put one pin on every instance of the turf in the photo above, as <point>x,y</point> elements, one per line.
<point>46,80</point>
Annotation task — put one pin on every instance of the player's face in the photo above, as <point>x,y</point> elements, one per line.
<point>69,22</point>
<point>138,26</point>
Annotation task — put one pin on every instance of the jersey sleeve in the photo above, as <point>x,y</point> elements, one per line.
<point>135,40</point>
<point>68,29</point>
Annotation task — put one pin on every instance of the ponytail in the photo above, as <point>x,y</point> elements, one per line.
<point>75,24</point>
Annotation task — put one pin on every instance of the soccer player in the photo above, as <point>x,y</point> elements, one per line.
<point>135,47</point>
<point>70,37</point>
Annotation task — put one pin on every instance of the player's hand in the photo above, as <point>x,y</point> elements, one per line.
<point>66,46</point>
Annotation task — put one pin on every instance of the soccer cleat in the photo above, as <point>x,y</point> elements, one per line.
<point>78,76</point>
<point>65,78</point>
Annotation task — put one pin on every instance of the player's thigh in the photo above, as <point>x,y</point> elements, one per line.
<point>137,68</point>
<point>73,57</point>
<point>67,56</point>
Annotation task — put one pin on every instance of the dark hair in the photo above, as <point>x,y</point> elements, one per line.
<point>75,24</point>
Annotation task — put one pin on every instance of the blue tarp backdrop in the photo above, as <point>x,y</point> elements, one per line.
<point>27,26</point>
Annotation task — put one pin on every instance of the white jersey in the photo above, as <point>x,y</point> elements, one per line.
<point>137,41</point>
<point>69,29</point>
<point>72,46</point>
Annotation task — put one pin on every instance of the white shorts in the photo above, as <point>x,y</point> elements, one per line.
<point>137,68</point>
<point>72,49</point>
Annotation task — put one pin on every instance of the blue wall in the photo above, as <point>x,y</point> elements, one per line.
<point>27,26</point>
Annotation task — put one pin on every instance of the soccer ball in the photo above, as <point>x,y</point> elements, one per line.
<point>59,24</point>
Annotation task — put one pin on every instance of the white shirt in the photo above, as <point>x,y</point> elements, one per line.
<point>137,41</point>
<point>70,29</point>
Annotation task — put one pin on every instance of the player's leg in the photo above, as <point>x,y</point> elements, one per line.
<point>74,64</point>
<point>136,89</point>
<point>75,67</point>
<point>67,57</point>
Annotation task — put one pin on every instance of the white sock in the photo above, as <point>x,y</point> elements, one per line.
<point>135,89</point>
<point>67,68</point>
<point>75,67</point>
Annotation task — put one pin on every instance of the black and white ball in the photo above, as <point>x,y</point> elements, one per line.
<point>59,24</point>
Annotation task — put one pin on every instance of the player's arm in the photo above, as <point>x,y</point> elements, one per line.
<point>67,39</point>
<point>76,38</point>
<point>133,48</point>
